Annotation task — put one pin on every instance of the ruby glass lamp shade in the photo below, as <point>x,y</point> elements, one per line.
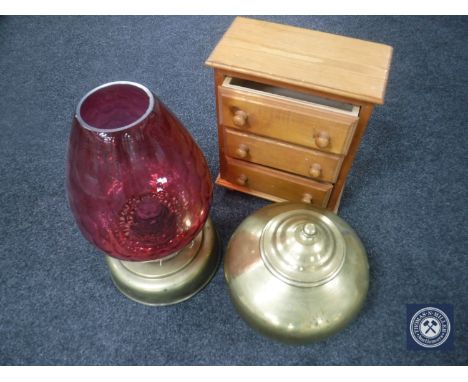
<point>140,190</point>
<point>138,184</point>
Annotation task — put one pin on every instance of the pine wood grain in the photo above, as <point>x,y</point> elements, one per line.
<point>320,61</point>
<point>336,195</point>
<point>286,120</point>
<point>267,80</point>
<point>273,184</point>
<point>272,153</point>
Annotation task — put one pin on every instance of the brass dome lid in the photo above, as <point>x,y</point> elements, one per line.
<point>295,272</point>
<point>303,248</point>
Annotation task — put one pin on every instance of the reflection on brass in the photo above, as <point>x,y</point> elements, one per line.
<point>172,279</point>
<point>296,273</point>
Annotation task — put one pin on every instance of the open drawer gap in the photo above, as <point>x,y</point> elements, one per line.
<point>282,93</point>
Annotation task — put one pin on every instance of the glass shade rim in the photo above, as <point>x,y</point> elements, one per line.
<point>120,128</point>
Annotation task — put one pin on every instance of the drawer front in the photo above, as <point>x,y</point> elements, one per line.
<point>286,120</point>
<point>295,159</point>
<point>273,182</point>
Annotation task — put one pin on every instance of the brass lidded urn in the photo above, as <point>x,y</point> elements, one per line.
<point>296,273</point>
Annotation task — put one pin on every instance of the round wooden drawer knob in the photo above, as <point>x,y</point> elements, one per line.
<point>242,179</point>
<point>315,170</point>
<point>322,139</point>
<point>240,118</point>
<point>242,151</point>
<point>307,198</point>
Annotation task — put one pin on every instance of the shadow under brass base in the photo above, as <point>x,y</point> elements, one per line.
<point>173,279</point>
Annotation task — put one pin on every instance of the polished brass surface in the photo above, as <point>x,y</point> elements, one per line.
<point>172,279</point>
<point>296,273</point>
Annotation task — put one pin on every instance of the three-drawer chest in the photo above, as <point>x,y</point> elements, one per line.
<point>292,107</point>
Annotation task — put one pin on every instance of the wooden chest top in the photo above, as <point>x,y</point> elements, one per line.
<point>328,63</point>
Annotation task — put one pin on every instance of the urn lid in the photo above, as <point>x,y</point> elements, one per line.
<point>302,247</point>
<point>295,272</point>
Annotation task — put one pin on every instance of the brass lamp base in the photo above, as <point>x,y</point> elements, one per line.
<point>173,279</point>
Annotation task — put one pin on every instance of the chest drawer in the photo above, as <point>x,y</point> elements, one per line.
<point>286,118</point>
<point>283,156</point>
<point>265,181</point>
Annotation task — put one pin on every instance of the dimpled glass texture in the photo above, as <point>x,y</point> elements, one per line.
<point>138,184</point>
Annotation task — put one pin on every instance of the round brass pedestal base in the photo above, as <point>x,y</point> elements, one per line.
<point>173,279</point>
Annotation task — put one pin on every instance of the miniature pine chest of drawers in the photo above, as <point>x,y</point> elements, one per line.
<point>292,106</point>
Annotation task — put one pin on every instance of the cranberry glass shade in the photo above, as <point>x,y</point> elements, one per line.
<point>138,184</point>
